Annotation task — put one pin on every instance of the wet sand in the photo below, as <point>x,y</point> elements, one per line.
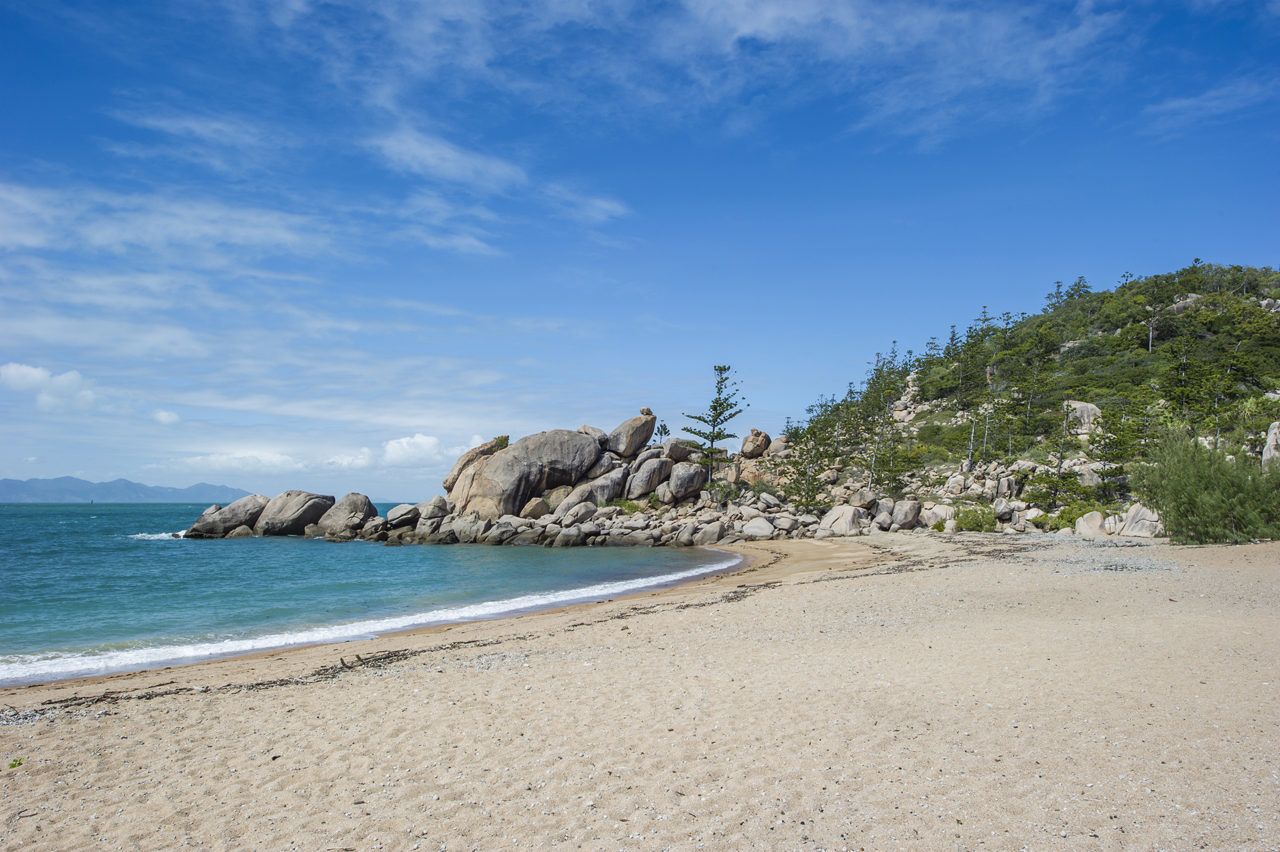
<point>906,690</point>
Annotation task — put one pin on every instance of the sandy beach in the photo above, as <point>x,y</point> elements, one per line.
<point>892,691</point>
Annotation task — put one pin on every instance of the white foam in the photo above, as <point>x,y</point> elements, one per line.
<point>158,536</point>
<point>34,668</point>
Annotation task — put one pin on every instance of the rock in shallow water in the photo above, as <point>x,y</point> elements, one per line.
<point>404,515</point>
<point>222,521</point>
<point>348,516</point>
<point>290,513</point>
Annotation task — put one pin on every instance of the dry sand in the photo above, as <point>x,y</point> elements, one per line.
<point>896,691</point>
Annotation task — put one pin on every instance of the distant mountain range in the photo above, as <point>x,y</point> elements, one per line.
<point>69,489</point>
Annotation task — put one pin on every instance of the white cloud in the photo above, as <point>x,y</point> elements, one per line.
<point>28,217</point>
<point>1175,115</point>
<point>52,392</point>
<point>23,377</point>
<point>196,231</point>
<point>909,68</point>
<point>448,225</point>
<point>222,130</point>
<point>588,209</point>
<point>460,243</point>
<point>434,157</point>
<point>416,449</point>
<point>222,142</point>
<point>358,460</point>
<point>99,334</point>
<point>165,418</point>
<point>247,461</point>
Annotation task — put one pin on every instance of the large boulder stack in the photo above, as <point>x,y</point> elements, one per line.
<point>648,476</point>
<point>755,444</point>
<point>549,473</point>
<point>501,483</point>
<point>470,457</point>
<point>632,435</point>
<point>567,488</point>
<point>290,513</point>
<point>687,479</point>
<point>346,518</point>
<point>217,522</point>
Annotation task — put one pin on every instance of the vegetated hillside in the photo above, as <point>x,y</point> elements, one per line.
<point>1196,350</point>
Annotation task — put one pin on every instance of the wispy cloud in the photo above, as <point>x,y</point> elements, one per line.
<point>432,219</point>
<point>224,142</point>
<point>435,157</point>
<point>585,208</point>
<point>915,68</point>
<point>100,335</point>
<point>417,451</point>
<point>86,218</point>
<point>1177,115</point>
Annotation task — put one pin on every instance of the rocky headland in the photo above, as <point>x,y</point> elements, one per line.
<point>588,487</point>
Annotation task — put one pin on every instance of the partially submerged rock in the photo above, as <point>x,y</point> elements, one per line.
<point>217,522</point>
<point>403,515</point>
<point>347,517</point>
<point>290,513</point>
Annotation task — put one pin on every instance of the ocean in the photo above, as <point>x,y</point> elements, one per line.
<point>93,589</point>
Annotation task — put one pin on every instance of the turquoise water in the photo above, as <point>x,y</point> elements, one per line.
<point>90,589</point>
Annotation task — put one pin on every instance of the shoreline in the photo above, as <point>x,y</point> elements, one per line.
<point>745,561</point>
<point>901,691</point>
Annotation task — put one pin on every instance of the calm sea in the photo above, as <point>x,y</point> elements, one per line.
<point>90,589</point>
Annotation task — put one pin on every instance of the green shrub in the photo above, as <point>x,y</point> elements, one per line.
<point>1205,497</point>
<point>762,487</point>
<point>1072,513</point>
<point>1052,488</point>
<point>976,519</point>
<point>628,507</point>
<point>940,526</point>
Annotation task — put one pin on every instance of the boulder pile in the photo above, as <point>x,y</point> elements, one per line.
<point>568,488</point>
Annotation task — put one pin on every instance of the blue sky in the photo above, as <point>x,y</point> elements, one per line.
<point>328,245</point>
